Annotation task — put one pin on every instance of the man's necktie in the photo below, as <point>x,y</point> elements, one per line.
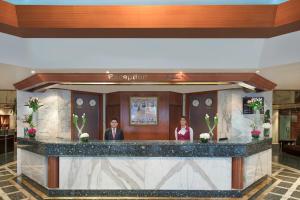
<point>114,133</point>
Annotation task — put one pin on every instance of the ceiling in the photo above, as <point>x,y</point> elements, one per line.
<point>154,54</point>
<point>221,47</point>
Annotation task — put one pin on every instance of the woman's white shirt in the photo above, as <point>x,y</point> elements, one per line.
<point>183,131</point>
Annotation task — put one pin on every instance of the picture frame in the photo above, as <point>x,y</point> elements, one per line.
<point>247,110</point>
<point>143,111</point>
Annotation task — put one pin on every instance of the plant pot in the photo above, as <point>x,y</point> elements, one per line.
<point>31,136</point>
<point>255,136</point>
<point>204,140</point>
<point>266,132</point>
<point>85,139</point>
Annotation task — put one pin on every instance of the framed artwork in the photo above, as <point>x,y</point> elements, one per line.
<point>143,111</point>
<point>247,110</point>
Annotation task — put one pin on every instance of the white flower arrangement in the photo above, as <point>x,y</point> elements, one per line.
<point>204,136</point>
<point>84,137</point>
<point>266,125</point>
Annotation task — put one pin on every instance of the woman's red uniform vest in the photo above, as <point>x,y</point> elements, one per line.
<point>186,136</point>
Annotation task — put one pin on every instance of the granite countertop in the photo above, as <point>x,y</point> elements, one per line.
<point>236,147</point>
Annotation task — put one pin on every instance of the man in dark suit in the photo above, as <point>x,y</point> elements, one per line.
<point>114,133</point>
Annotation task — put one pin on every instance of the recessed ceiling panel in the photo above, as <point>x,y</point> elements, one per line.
<point>146,2</point>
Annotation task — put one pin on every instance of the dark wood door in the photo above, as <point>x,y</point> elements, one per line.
<point>91,105</point>
<point>200,104</point>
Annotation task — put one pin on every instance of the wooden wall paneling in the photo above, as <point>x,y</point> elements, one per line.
<point>113,109</point>
<point>149,132</point>
<point>175,112</point>
<point>237,181</point>
<point>94,113</point>
<point>100,116</point>
<point>195,115</point>
<point>53,172</point>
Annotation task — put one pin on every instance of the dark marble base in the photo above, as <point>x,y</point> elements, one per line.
<point>143,193</point>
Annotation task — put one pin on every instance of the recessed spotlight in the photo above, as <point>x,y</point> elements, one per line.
<point>107,72</point>
<point>33,72</point>
<point>257,71</point>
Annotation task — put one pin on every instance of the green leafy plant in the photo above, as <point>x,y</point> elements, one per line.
<point>211,128</point>
<point>75,122</point>
<point>255,103</point>
<point>28,120</point>
<point>34,103</point>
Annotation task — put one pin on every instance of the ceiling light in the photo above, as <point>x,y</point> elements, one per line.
<point>245,85</point>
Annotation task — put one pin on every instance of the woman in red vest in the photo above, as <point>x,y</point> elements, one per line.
<point>183,131</point>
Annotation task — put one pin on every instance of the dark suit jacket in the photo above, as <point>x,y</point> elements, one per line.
<point>109,136</point>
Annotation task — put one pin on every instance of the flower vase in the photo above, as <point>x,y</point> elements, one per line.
<point>266,133</point>
<point>257,117</point>
<point>35,119</point>
<point>31,136</point>
<point>255,134</point>
<point>25,132</point>
<point>204,140</point>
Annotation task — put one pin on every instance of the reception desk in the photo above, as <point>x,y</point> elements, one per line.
<point>63,167</point>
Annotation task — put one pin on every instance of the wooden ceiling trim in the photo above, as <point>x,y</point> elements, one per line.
<point>262,21</point>
<point>288,12</point>
<point>145,16</point>
<point>37,81</point>
<point>8,14</point>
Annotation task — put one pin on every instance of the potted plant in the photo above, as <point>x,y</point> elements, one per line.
<point>267,124</point>
<point>255,132</point>
<point>84,137</point>
<point>211,128</point>
<point>31,132</point>
<point>34,104</point>
<point>32,120</point>
<point>204,137</point>
<point>256,104</point>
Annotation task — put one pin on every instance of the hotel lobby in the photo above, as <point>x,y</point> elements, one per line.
<point>195,99</point>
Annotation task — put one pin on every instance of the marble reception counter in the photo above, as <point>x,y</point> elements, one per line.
<point>63,167</point>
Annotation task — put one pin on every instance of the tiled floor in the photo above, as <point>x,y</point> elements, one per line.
<point>9,189</point>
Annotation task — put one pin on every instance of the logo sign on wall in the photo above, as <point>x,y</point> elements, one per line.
<point>248,110</point>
